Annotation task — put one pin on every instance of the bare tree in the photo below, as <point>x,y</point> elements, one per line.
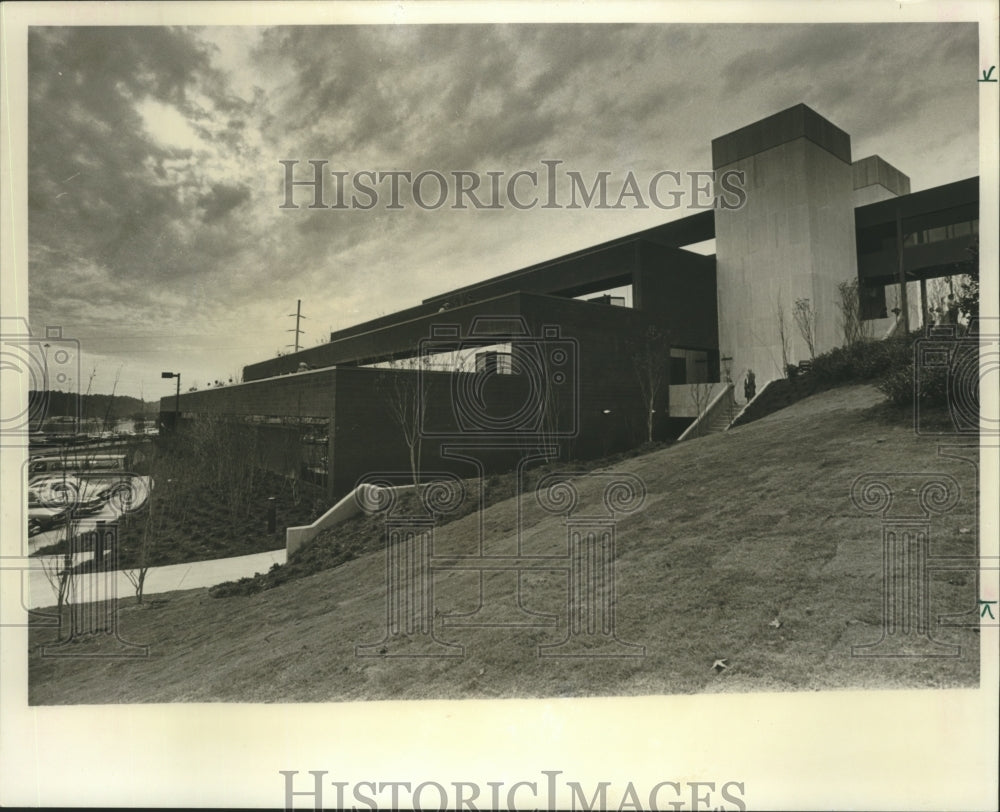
<point>782,334</point>
<point>218,459</point>
<point>136,574</point>
<point>856,329</point>
<point>166,499</point>
<point>805,320</point>
<point>107,424</point>
<point>701,395</point>
<point>58,569</point>
<point>651,362</point>
<point>64,491</point>
<point>225,453</point>
<point>404,387</point>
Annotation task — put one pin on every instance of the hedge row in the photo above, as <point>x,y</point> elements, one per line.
<point>890,364</point>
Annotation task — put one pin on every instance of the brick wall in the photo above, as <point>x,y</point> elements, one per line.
<point>367,438</point>
<point>307,394</point>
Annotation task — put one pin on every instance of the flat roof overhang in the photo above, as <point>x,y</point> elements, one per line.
<point>930,261</point>
<point>960,196</point>
<point>407,339</point>
<point>876,224</point>
<point>590,270</point>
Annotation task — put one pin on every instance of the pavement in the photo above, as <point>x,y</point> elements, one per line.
<point>158,579</point>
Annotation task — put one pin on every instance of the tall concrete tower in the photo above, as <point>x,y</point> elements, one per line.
<point>875,179</point>
<point>792,241</point>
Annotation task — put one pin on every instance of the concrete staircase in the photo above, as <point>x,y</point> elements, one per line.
<point>717,416</point>
<point>722,417</point>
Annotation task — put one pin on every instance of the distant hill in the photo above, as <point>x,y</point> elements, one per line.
<point>90,406</point>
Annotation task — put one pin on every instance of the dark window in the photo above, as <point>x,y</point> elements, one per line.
<point>678,370</point>
<point>936,234</point>
<point>872,302</point>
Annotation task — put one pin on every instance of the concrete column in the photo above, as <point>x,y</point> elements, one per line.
<point>792,240</point>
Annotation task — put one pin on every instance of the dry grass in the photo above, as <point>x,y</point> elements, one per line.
<point>738,530</point>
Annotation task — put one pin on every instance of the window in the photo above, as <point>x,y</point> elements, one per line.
<point>499,363</point>
<point>617,301</point>
<point>678,370</point>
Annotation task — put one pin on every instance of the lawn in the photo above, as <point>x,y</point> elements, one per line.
<point>748,552</point>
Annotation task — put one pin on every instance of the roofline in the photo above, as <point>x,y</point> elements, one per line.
<point>926,201</point>
<point>694,221</point>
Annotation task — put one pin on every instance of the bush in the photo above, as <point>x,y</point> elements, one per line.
<point>889,363</point>
<point>864,360</point>
<point>898,386</point>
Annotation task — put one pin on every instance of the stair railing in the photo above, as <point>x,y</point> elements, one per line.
<point>722,404</point>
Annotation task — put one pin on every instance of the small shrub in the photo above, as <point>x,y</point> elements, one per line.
<point>897,386</point>
<point>244,586</point>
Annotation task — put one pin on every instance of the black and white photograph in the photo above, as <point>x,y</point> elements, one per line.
<point>431,405</point>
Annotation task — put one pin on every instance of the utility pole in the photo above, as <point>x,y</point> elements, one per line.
<point>298,317</point>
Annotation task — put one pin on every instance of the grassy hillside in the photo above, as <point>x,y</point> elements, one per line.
<point>748,549</point>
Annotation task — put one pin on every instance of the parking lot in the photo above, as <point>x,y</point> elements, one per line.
<point>54,498</point>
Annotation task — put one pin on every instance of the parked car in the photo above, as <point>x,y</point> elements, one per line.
<point>44,516</point>
<point>90,502</point>
<point>51,500</point>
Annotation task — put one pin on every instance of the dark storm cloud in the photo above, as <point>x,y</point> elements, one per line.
<point>222,200</point>
<point>89,179</point>
<point>833,68</point>
<point>467,95</point>
<point>108,193</point>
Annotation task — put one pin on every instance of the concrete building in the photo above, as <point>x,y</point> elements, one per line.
<point>545,357</point>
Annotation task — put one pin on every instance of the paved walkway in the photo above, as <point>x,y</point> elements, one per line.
<point>162,579</point>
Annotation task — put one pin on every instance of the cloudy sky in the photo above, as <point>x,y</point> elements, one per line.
<point>155,228</point>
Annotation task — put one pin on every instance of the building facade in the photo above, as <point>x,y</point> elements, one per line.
<point>545,361</point>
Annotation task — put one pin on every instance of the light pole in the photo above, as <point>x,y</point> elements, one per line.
<point>177,397</point>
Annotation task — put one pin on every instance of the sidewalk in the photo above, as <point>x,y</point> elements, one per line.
<point>164,579</point>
